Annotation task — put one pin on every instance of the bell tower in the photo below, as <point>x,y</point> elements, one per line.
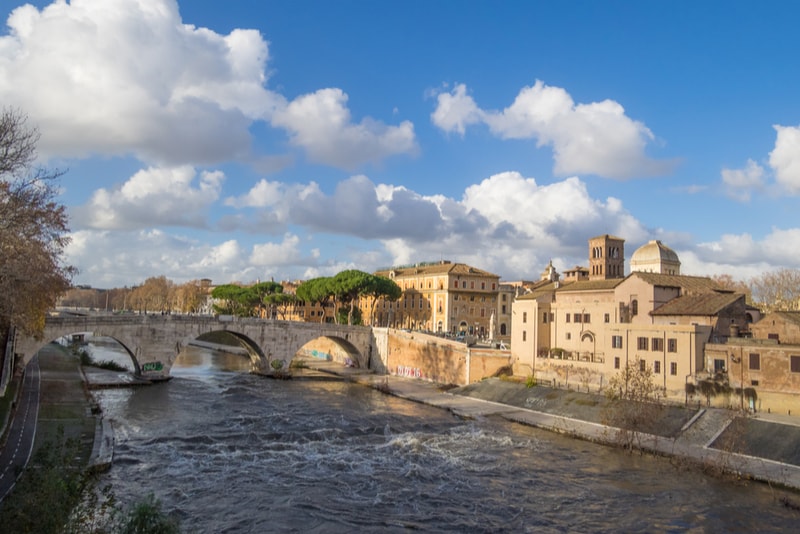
<point>606,257</point>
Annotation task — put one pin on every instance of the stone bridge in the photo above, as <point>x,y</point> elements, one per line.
<point>154,341</point>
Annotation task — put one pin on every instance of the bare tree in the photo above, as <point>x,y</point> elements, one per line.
<point>634,403</point>
<point>777,290</point>
<point>33,230</point>
<point>726,281</point>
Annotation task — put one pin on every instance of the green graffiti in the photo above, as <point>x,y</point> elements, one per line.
<point>152,366</point>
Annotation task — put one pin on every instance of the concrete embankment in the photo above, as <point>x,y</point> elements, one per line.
<point>695,441</point>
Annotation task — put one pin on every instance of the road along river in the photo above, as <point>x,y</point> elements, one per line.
<point>227,451</point>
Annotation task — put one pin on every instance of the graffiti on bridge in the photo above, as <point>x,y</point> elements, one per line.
<point>152,366</point>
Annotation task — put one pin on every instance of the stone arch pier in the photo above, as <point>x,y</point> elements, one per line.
<point>154,341</point>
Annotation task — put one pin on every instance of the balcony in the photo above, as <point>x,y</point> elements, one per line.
<point>576,356</point>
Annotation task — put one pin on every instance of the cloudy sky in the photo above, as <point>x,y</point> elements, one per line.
<point>247,140</point>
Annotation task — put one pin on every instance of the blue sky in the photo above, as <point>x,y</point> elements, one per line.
<point>249,140</point>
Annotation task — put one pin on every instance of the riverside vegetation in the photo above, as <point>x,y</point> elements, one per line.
<point>57,492</point>
<point>57,496</point>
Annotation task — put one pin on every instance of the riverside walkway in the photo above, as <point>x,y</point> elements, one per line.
<point>692,444</point>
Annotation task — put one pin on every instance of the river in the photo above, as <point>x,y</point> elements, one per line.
<point>227,451</point>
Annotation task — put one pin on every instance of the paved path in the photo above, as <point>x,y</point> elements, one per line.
<point>22,430</point>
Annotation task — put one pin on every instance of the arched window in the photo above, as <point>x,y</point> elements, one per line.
<point>634,307</point>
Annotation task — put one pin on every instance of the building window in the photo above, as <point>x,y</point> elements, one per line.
<point>567,317</point>
<point>755,362</point>
<point>607,318</point>
<point>673,368</point>
<point>587,318</point>
<point>641,343</point>
<point>795,364</point>
<point>616,362</point>
<point>483,285</point>
<point>634,307</point>
<point>657,344</point>
<point>672,345</point>
<point>524,317</point>
<point>568,336</point>
<point>754,382</point>
<point>524,335</point>
<point>503,309</point>
<point>472,285</point>
<point>719,366</point>
<point>642,366</point>
<point>577,318</point>
<point>616,342</point>
<point>483,312</point>
<point>544,317</point>
<point>657,367</point>
<point>552,316</point>
<point>455,284</point>
<point>493,287</point>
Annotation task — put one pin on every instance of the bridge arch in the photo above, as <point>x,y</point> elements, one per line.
<point>332,348</point>
<point>154,341</point>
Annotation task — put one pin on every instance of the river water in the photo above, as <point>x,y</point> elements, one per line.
<point>227,451</point>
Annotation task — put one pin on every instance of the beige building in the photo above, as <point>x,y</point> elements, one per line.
<point>582,332</point>
<point>762,366</point>
<point>445,297</point>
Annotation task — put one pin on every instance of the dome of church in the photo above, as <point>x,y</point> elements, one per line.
<point>655,257</point>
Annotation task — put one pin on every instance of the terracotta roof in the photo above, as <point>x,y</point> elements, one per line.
<point>690,284</point>
<point>705,304</point>
<point>590,285</point>
<point>546,288</point>
<point>436,268</point>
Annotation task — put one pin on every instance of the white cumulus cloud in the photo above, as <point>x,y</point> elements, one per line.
<point>785,158</point>
<point>740,183</point>
<point>595,138</point>
<point>118,77</point>
<point>153,197</point>
<point>321,124</point>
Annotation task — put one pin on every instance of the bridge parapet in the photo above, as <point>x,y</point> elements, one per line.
<point>154,340</point>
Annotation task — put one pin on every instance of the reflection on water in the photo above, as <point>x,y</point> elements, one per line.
<point>191,361</point>
<point>196,361</point>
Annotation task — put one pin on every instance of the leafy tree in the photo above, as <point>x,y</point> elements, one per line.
<point>380,287</point>
<point>232,299</point>
<point>280,302</point>
<point>347,286</point>
<point>634,402</point>
<point>259,293</point>
<point>316,290</point>
<point>33,230</point>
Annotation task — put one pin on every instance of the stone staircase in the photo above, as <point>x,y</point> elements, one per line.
<point>704,428</point>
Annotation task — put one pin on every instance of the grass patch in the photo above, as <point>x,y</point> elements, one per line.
<point>62,411</point>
